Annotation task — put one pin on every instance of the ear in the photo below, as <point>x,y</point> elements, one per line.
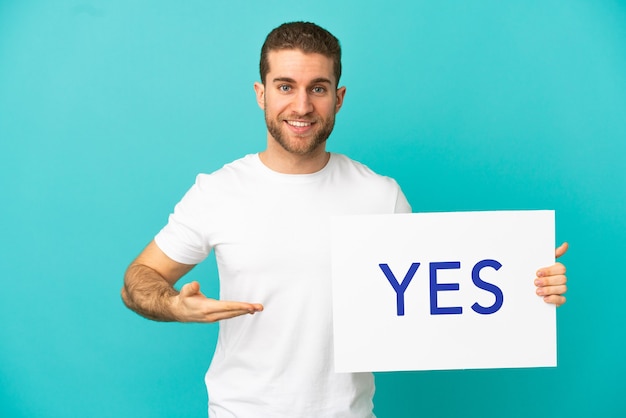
<point>259,90</point>
<point>341,93</point>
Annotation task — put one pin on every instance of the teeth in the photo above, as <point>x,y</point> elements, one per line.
<point>298,124</point>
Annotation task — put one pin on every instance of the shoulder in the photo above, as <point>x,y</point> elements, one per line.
<point>209,188</point>
<point>369,191</point>
<point>356,171</point>
<point>232,172</point>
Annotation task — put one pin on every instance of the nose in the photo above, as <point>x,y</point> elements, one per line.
<point>302,103</point>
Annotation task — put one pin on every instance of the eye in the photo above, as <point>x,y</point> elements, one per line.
<point>319,90</point>
<point>284,88</point>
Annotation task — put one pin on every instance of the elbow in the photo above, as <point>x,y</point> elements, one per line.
<point>126,298</point>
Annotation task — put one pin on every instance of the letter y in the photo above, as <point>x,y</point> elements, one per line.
<point>400,288</point>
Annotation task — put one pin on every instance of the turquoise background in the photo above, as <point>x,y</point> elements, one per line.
<point>108,110</point>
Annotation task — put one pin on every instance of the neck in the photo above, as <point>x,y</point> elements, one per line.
<point>276,158</point>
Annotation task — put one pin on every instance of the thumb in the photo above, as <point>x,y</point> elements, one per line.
<point>190,289</point>
<point>561,250</point>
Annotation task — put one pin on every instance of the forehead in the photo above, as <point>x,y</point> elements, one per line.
<point>299,66</point>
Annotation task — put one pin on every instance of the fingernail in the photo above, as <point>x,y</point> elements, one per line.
<point>540,273</point>
<point>540,291</point>
<point>538,282</point>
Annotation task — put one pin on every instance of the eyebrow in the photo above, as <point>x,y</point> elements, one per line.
<point>291,80</point>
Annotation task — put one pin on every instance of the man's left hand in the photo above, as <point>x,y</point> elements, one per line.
<point>551,281</point>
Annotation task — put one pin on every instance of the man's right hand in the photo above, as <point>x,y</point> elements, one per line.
<point>190,305</point>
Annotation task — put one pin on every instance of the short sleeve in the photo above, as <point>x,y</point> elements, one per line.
<point>182,239</point>
<point>402,204</point>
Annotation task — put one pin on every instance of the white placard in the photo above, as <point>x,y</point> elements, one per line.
<point>469,304</point>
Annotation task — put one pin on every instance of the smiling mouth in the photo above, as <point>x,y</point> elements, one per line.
<point>298,124</point>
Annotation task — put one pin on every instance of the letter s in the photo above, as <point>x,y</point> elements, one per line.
<point>489,287</point>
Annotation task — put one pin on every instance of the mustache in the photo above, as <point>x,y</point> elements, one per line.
<point>299,118</point>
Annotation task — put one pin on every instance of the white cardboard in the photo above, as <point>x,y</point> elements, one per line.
<point>370,336</point>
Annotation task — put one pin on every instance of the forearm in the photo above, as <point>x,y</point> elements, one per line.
<point>146,292</point>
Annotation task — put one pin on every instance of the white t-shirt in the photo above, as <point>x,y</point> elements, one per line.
<point>271,236</point>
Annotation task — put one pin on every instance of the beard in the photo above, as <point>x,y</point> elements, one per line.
<point>300,145</point>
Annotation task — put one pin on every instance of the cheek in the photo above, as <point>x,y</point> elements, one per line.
<point>274,105</point>
<point>329,108</point>
<point>327,103</point>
